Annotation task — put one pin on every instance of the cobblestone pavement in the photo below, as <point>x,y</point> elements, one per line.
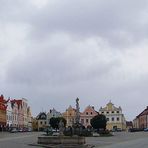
<point>121,139</point>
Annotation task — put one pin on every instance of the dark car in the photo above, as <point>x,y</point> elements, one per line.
<point>146,129</point>
<point>14,130</point>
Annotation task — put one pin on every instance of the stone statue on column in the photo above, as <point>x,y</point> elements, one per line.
<point>77,111</point>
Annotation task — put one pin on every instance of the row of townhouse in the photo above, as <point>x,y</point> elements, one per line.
<point>141,121</point>
<point>114,115</point>
<point>14,113</point>
<point>43,119</point>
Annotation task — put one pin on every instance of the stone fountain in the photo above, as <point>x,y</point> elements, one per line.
<point>62,141</point>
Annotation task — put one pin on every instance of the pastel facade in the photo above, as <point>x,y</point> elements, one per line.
<point>115,117</point>
<point>29,118</point>
<point>136,123</point>
<point>18,114</point>
<point>141,121</point>
<point>52,113</point>
<point>70,116</point>
<point>41,121</point>
<point>87,115</point>
<point>9,115</point>
<point>14,109</point>
<point>3,108</point>
<point>34,124</point>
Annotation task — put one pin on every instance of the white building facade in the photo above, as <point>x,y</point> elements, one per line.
<point>115,117</point>
<point>53,113</point>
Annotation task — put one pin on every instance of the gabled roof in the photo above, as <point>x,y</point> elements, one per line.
<point>89,107</point>
<point>110,106</point>
<point>41,116</point>
<point>144,112</point>
<point>70,108</point>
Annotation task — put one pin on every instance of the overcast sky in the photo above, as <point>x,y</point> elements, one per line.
<point>53,51</point>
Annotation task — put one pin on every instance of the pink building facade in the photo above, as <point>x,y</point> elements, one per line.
<point>87,115</point>
<point>141,121</point>
<point>19,114</point>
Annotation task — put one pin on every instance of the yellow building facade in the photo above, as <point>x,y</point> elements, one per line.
<point>41,121</point>
<point>70,116</point>
<point>115,117</point>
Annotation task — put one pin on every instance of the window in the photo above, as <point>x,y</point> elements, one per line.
<point>107,112</point>
<point>117,118</point>
<point>45,122</point>
<point>112,118</point>
<point>82,121</point>
<point>86,120</point>
<point>86,113</point>
<point>91,113</point>
<point>113,112</point>
<point>102,112</point>
<point>117,111</point>
<point>41,122</point>
<point>107,119</point>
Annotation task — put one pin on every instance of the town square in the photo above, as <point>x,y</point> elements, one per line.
<point>73,73</point>
<point>120,139</point>
<point>26,133</point>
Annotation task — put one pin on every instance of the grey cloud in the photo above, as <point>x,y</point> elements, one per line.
<point>61,64</point>
<point>70,50</point>
<point>118,22</point>
<point>100,18</point>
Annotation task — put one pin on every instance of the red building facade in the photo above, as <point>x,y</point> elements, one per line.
<point>3,108</point>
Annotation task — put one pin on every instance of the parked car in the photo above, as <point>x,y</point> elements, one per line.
<point>146,129</point>
<point>119,130</point>
<point>116,130</point>
<point>135,130</point>
<point>25,130</point>
<point>14,130</point>
<point>29,129</point>
<point>20,130</point>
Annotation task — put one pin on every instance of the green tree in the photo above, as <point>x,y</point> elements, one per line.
<point>63,120</point>
<point>99,122</point>
<point>54,122</point>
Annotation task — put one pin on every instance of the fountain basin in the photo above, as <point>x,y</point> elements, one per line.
<point>61,140</point>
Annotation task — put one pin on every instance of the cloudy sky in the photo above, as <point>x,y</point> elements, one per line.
<point>53,51</point>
